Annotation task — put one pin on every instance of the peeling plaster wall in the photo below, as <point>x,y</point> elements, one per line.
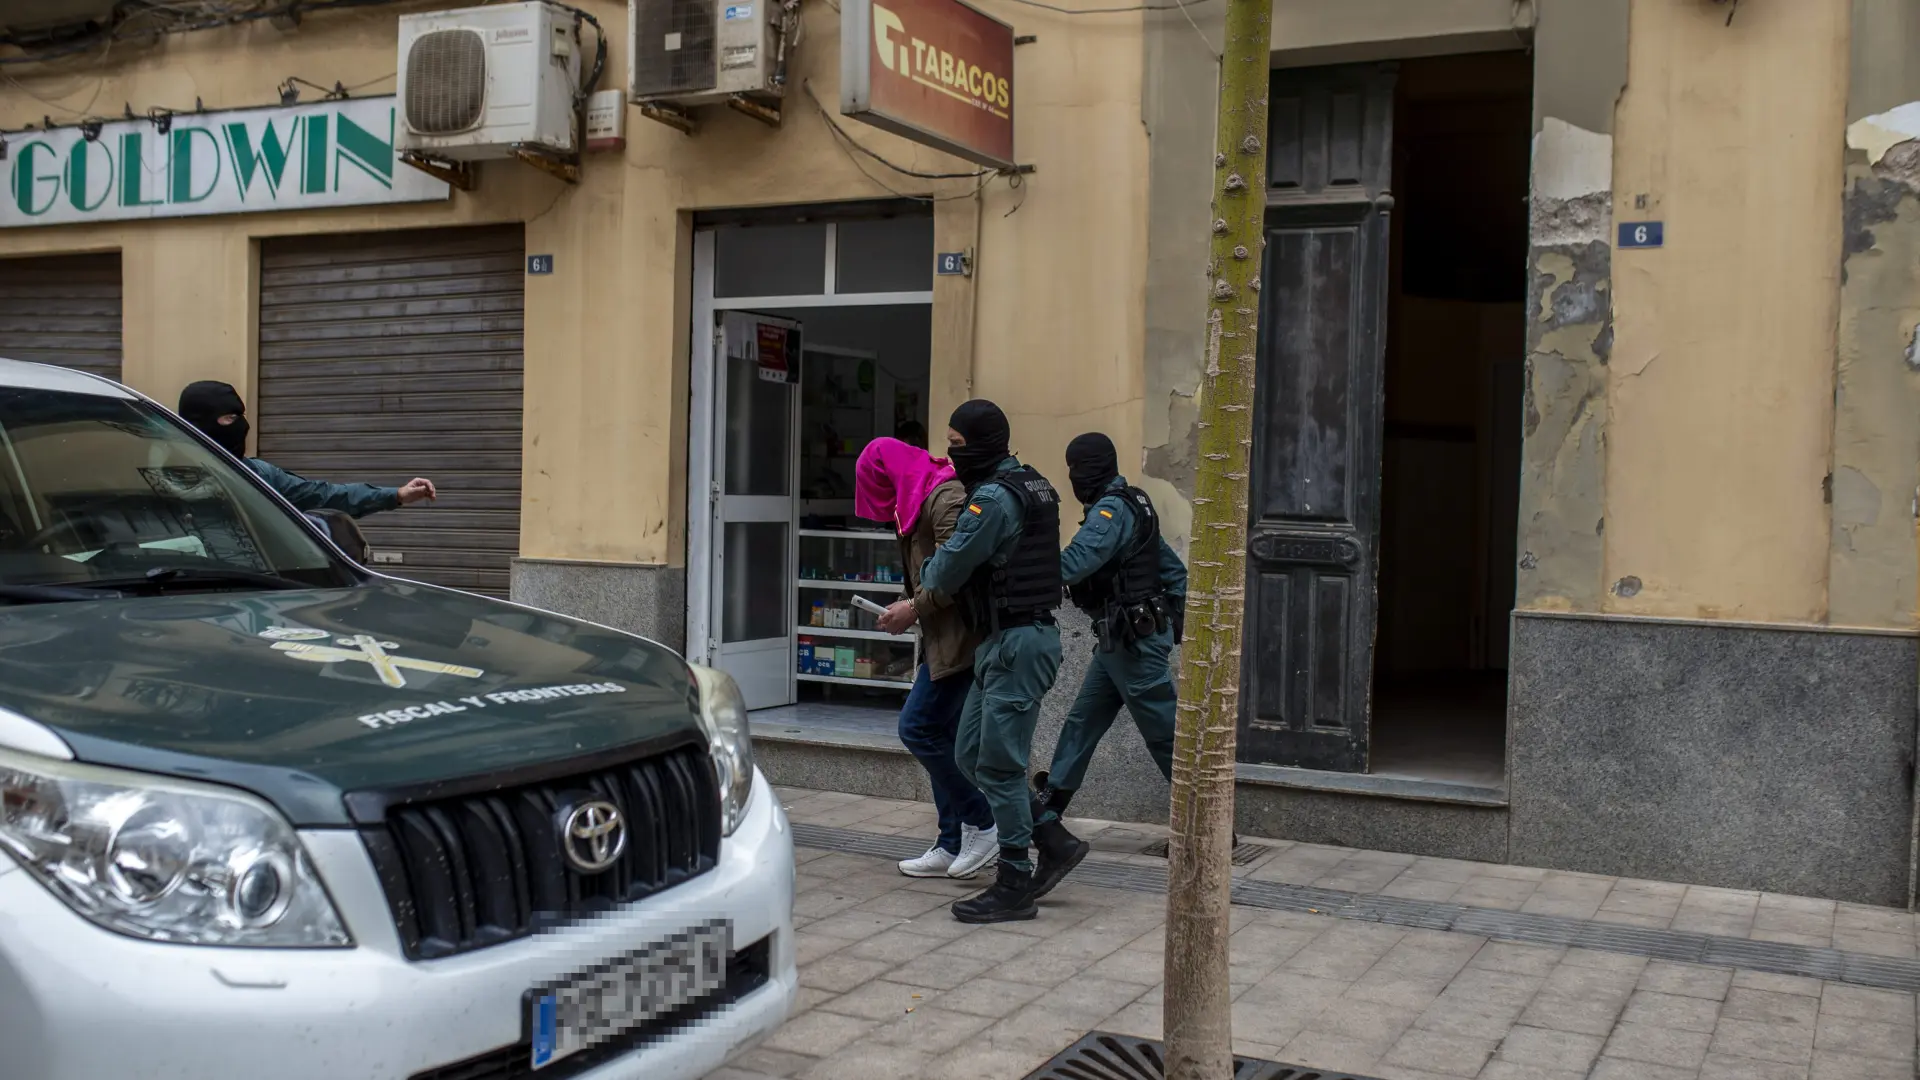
<point>1720,393</point>
<point>1580,68</point>
<point>1569,338</point>
<point>1876,422</point>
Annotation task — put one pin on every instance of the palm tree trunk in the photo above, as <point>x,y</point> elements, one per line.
<point>1198,1014</point>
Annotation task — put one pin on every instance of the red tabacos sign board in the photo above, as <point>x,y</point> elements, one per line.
<point>939,72</point>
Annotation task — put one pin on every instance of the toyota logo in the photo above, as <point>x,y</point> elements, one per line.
<point>593,836</point>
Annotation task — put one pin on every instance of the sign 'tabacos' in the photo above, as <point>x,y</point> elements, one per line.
<point>300,157</point>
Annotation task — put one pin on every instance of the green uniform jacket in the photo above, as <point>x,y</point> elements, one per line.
<point>1105,533</point>
<point>354,500</point>
<point>987,531</point>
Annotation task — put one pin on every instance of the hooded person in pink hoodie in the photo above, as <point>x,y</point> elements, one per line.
<point>919,497</point>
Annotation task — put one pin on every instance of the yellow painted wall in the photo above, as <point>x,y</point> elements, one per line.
<point>1059,275</point>
<point>1720,399</point>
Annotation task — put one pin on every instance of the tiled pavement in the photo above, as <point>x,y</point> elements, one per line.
<point>892,987</point>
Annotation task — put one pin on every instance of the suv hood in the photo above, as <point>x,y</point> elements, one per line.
<point>304,696</point>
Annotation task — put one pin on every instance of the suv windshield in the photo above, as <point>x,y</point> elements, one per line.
<point>100,491</point>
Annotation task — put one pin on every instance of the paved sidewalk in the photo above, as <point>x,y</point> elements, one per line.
<point>892,987</point>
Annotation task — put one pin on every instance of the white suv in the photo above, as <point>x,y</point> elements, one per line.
<point>265,811</point>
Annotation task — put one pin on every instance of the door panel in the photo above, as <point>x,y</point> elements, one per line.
<point>757,402</point>
<point>1313,542</point>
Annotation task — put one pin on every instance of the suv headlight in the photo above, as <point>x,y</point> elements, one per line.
<point>163,859</point>
<point>723,712</point>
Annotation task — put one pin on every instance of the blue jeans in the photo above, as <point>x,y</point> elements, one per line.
<point>927,727</point>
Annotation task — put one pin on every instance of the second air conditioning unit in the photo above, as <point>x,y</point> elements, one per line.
<point>700,52</point>
<point>488,82</point>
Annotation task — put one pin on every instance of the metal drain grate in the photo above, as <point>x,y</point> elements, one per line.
<point>1104,1056</point>
<point>1244,855</point>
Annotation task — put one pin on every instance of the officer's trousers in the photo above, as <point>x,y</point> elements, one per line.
<point>1012,671</point>
<point>1139,677</point>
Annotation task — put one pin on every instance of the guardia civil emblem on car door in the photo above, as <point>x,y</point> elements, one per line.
<point>302,643</point>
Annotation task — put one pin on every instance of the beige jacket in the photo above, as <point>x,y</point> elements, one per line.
<point>945,642</point>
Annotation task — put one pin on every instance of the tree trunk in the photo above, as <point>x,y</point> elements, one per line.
<point>1198,1015</point>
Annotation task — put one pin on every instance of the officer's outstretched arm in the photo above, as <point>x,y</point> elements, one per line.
<point>982,528</point>
<point>1101,537</point>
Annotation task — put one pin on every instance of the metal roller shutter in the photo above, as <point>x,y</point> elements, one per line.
<point>62,309</point>
<point>387,356</point>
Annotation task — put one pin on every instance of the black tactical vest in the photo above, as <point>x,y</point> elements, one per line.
<point>1132,576</point>
<point>1027,589</point>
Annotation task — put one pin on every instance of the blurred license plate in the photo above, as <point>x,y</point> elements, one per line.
<point>586,1009</point>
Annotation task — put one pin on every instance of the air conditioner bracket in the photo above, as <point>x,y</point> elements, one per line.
<point>677,119</point>
<point>765,110</point>
<point>564,166</point>
<point>460,174</point>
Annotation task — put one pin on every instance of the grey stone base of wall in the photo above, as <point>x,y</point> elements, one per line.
<point>1124,785</point>
<point>1443,830</point>
<point>639,598</point>
<point>1737,756</point>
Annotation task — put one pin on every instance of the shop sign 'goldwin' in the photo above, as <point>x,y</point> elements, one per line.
<point>300,157</point>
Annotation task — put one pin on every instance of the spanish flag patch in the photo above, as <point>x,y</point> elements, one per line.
<point>973,508</point>
<point>1108,514</point>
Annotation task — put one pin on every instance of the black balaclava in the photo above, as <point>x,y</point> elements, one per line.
<point>984,427</point>
<point>1092,464</point>
<point>202,404</point>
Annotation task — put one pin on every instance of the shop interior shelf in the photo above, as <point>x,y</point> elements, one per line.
<point>849,681</point>
<point>863,586</point>
<point>872,535</point>
<point>869,635</point>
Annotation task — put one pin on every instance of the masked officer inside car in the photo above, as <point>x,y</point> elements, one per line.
<point>1122,573</point>
<point>1002,564</point>
<point>216,410</point>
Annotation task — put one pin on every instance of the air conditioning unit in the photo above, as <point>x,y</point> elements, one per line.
<point>484,82</point>
<point>699,52</point>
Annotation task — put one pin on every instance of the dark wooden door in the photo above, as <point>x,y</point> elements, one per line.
<point>1314,511</point>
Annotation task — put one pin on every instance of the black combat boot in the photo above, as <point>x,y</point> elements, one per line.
<point>1059,852</point>
<point>1010,899</point>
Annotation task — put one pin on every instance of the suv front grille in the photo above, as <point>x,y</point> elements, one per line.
<point>467,872</point>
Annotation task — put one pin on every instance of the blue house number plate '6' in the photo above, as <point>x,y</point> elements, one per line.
<point>1642,234</point>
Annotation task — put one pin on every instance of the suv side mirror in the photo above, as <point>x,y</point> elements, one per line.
<point>345,533</point>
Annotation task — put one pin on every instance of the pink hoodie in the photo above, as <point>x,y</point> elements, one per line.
<point>891,482</point>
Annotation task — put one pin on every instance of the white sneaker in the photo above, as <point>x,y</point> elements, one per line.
<point>933,864</point>
<point>979,849</point>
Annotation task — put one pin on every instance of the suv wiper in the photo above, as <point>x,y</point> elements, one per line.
<point>156,579</point>
<point>47,594</point>
<point>162,576</point>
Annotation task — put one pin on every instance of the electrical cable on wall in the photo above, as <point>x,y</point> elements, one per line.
<point>807,84</point>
